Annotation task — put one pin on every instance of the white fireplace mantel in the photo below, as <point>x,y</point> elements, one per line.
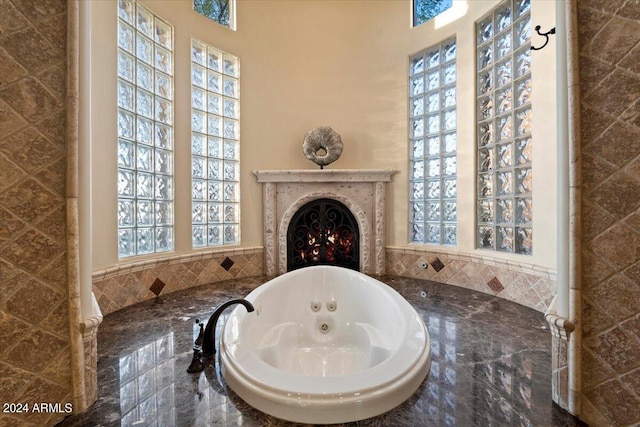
<point>362,191</point>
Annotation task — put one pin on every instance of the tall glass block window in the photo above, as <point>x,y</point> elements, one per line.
<point>145,131</point>
<point>220,11</point>
<point>433,145</point>
<point>215,146</point>
<point>504,129</point>
<point>424,10</point>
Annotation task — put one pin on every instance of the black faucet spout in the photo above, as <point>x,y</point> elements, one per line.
<point>209,338</point>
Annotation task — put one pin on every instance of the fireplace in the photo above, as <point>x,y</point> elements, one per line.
<point>323,231</point>
<point>360,193</point>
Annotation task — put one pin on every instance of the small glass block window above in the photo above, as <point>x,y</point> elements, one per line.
<point>504,167</point>
<point>145,131</point>
<point>215,146</point>
<point>433,145</point>
<point>424,10</point>
<point>220,11</point>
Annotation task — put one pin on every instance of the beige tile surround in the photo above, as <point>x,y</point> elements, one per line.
<point>609,67</point>
<point>35,341</point>
<point>526,284</point>
<point>127,284</point>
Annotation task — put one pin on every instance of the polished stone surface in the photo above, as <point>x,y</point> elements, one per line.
<point>491,364</point>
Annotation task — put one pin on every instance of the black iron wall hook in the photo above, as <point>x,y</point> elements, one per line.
<point>545,35</point>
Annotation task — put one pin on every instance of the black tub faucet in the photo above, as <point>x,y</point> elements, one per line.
<point>205,344</point>
<point>209,338</point>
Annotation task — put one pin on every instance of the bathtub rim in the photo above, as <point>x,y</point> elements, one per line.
<point>322,408</point>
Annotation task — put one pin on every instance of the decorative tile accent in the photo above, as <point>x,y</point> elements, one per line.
<point>437,265</point>
<point>227,263</point>
<point>157,286</point>
<point>495,285</point>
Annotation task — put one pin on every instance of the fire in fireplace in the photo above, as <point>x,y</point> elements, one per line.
<point>323,231</point>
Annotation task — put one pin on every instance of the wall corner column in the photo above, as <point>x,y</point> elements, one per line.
<point>565,316</point>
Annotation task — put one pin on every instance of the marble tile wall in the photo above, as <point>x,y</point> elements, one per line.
<point>525,284</point>
<point>129,284</point>
<point>35,361</point>
<point>609,55</point>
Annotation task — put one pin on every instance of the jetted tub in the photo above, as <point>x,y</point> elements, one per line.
<point>325,345</point>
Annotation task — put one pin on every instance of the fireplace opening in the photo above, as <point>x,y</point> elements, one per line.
<point>323,231</point>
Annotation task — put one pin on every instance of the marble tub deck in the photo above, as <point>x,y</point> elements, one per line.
<point>491,364</point>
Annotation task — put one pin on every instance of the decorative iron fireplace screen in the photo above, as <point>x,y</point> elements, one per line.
<point>323,231</point>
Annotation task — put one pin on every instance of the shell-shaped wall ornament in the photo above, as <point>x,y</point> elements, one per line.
<point>322,145</point>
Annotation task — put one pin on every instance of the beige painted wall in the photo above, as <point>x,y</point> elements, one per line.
<point>310,63</point>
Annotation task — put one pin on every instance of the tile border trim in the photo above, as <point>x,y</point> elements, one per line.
<point>520,267</point>
<point>155,262</point>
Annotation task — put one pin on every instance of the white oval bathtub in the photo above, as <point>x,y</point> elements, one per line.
<point>297,359</point>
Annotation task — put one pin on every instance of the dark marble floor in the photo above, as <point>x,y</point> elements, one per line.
<point>490,366</point>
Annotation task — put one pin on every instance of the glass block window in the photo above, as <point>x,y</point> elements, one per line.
<point>215,146</point>
<point>219,11</point>
<point>504,129</point>
<point>433,145</point>
<point>424,10</point>
<point>145,131</point>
